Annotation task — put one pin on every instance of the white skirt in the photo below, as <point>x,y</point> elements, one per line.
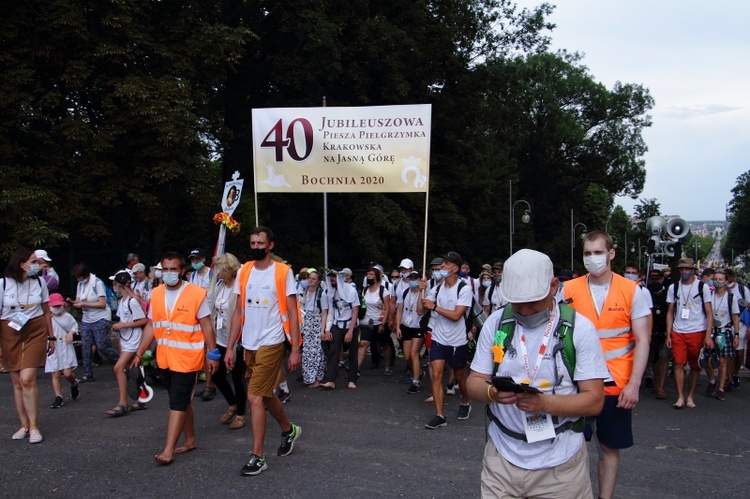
<point>130,339</point>
<point>64,357</point>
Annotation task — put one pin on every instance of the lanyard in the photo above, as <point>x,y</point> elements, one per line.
<point>166,305</point>
<point>18,294</point>
<point>685,299</point>
<point>716,307</point>
<point>593,298</point>
<point>222,301</point>
<point>542,347</point>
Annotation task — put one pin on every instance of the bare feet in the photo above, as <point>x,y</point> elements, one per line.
<point>679,404</point>
<point>314,385</point>
<point>352,386</point>
<point>690,404</point>
<point>163,460</point>
<point>185,448</point>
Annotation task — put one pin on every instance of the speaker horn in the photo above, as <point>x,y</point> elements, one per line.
<point>669,248</point>
<point>656,225</point>
<point>677,228</point>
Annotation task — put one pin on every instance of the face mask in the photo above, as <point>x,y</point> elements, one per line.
<point>486,284</point>
<point>118,295</point>
<point>443,273</point>
<point>718,284</point>
<point>405,274</point>
<point>258,253</point>
<point>157,274</point>
<point>595,264</point>
<point>57,310</point>
<point>463,274</point>
<point>710,283</point>
<point>497,278</point>
<point>32,270</point>
<point>171,278</point>
<point>197,266</point>
<point>436,275</point>
<point>631,276</point>
<point>533,320</point>
<point>304,284</point>
<point>370,282</point>
<point>413,284</point>
<point>686,277</point>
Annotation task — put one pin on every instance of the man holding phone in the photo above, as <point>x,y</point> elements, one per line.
<point>536,447</point>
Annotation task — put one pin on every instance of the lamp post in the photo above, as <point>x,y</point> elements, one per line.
<point>512,212</point>
<point>641,250</point>
<point>695,245</point>
<point>573,227</point>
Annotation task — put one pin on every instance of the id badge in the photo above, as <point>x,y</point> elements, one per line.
<point>409,321</point>
<point>685,313</point>
<point>19,321</point>
<point>538,427</point>
<point>219,322</point>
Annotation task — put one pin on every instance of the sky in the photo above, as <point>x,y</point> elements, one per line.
<point>694,57</point>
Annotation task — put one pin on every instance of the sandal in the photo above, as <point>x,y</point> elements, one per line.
<point>239,422</point>
<point>119,410</point>
<point>227,417</point>
<point>660,394</point>
<point>138,406</point>
<point>86,379</point>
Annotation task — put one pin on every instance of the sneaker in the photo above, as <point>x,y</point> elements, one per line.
<point>20,434</point>
<point>464,411</point>
<point>735,382</point>
<point>75,391</point>
<point>57,403</point>
<point>436,422</point>
<point>450,389</point>
<point>284,396</point>
<point>35,436</point>
<point>287,441</point>
<point>388,371</point>
<point>342,364</point>
<point>407,379</point>
<point>254,466</point>
<point>414,388</point>
<point>720,395</point>
<point>710,388</point>
<point>208,393</point>
<point>728,386</point>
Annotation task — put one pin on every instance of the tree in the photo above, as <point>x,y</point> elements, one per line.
<point>738,235</point>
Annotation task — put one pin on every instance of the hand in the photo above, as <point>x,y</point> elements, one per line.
<point>78,304</point>
<point>348,337</point>
<point>398,333</point>
<point>136,361</point>
<point>530,402</point>
<point>669,340</point>
<point>213,366</point>
<point>294,359</point>
<point>423,283</point>
<point>503,397</point>
<point>708,342</point>
<point>229,359</point>
<point>628,398</point>
<point>736,342</point>
<point>116,327</point>
<point>50,347</point>
<point>428,304</point>
<point>326,336</point>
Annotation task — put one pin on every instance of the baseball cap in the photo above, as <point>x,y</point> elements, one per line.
<point>497,265</point>
<point>139,267</point>
<point>346,271</point>
<point>196,253</point>
<point>526,276</point>
<point>414,274</point>
<point>56,300</point>
<point>43,255</point>
<point>436,261</point>
<point>453,257</point>
<point>406,263</point>
<point>121,277</point>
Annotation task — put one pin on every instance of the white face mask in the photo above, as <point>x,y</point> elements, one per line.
<point>57,310</point>
<point>595,264</point>
<point>171,278</point>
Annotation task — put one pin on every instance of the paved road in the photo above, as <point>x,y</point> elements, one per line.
<point>364,443</point>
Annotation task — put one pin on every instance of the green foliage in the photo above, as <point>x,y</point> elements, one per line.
<point>738,235</point>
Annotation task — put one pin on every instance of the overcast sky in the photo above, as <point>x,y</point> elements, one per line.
<point>694,57</point>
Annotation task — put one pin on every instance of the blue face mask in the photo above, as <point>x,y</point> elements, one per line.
<point>197,266</point>
<point>711,283</point>
<point>486,284</point>
<point>304,284</point>
<point>631,276</point>
<point>463,274</point>
<point>443,273</point>
<point>33,270</point>
<point>436,275</point>
<point>686,277</point>
<point>413,284</point>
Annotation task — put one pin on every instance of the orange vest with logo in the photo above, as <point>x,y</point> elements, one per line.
<point>613,324</point>
<point>179,337</point>
<point>280,272</point>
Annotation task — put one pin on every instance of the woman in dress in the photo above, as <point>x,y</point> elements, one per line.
<point>226,267</point>
<point>25,336</point>
<point>314,305</point>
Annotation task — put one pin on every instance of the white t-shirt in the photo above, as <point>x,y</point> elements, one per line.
<point>738,289</point>
<point>130,310</point>
<point>688,299</point>
<point>474,284</point>
<point>309,302</point>
<point>720,306</point>
<point>222,303</point>
<point>375,306</point>
<point>341,300</point>
<point>497,300</point>
<point>646,296</point>
<point>445,331</point>
<point>204,281</point>
<point>409,316</point>
<point>590,364</point>
<point>29,294</point>
<point>263,325</point>
<point>89,291</point>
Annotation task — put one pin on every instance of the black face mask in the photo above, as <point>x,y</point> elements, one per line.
<point>258,253</point>
<point>370,282</point>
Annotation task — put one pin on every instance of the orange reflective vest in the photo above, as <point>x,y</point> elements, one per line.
<point>179,337</point>
<point>280,272</point>
<point>614,325</point>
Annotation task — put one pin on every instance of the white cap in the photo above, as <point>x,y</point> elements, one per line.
<point>526,277</point>
<point>139,267</point>
<point>43,255</point>
<point>346,271</point>
<point>406,263</point>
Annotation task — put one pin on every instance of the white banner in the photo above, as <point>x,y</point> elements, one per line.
<point>342,149</point>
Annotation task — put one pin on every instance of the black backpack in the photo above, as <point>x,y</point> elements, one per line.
<point>700,293</point>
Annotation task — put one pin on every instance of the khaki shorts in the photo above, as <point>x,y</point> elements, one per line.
<point>262,367</point>
<point>500,478</point>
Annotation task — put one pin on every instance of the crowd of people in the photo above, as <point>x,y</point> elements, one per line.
<point>594,339</point>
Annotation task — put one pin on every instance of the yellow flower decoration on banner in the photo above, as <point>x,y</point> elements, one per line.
<point>224,218</point>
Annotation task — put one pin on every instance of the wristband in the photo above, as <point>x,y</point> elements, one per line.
<point>489,389</point>
<point>51,338</point>
<point>214,354</point>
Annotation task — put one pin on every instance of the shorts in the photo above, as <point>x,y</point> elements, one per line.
<point>658,347</point>
<point>180,387</point>
<point>367,332</point>
<point>614,426</point>
<point>728,352</point>
<point>455,357</point>
<point>686,348</point>
<point>262,366</point>
<point>130,342</point>
<point>411,333</point>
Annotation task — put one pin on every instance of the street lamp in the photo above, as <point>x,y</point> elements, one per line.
<point>641,250</point>
<point>695,244</point>
<point>573,236</point>
<point>614,242</point>
<point>524,218</point>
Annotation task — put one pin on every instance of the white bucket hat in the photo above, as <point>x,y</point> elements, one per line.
<point>527,276</point>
